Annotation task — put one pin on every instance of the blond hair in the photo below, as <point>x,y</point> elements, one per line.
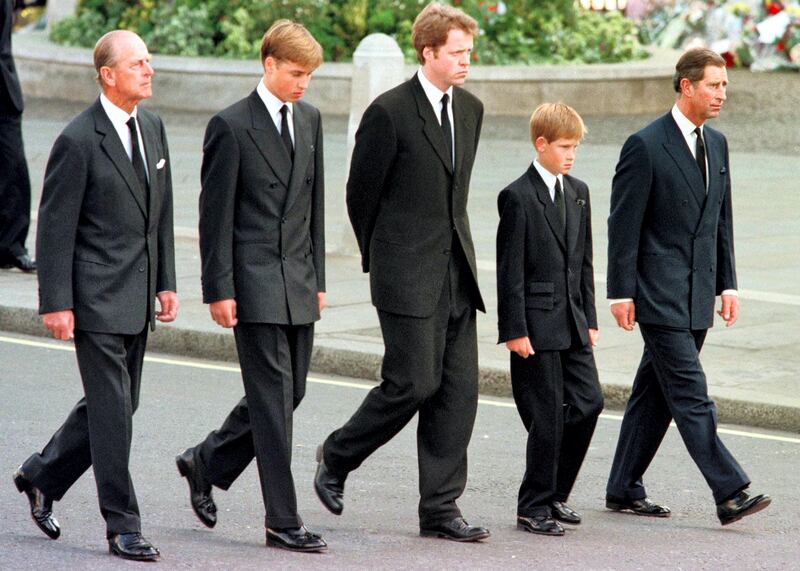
<point>555,121</point>
<point>432,25</point>
<point>289,41</point>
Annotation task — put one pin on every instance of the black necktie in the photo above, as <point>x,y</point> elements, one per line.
<point>700,155</point>
<point>446,131</point>
<point>285,135</point>
<point>136,156</point>
<point>558,199</point>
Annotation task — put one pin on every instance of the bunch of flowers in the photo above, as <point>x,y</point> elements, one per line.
<point>760,34</point>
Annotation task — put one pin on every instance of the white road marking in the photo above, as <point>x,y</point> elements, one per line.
<point>366,385</point>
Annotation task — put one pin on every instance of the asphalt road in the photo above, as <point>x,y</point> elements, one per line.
<point>183,399</point>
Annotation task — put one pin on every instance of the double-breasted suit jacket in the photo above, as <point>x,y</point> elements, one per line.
<point>105,249</point>
<point>273,262</point>
<point>406,201</point>
<point>670,244</point>
<point>545,277</point>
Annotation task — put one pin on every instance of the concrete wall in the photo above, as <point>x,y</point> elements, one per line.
<point>207,84</point>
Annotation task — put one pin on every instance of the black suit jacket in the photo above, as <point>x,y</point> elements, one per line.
<point>670,246</point>
<point>545,283</point>
<point>406,202</point>
<point>262,222</point>
<point>10,92</point>
<point>102,250</point>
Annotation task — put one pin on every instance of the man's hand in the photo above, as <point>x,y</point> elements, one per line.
<point>60,323</point>
<point>321,300</point>
<point>168,302</point>
<point>625,314</point>
<point>224,312</point>
<point>521,346</point>
<point>594,334</point>
<point>730,309</point>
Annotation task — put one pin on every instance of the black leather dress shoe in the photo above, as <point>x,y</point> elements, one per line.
<point>296,539</point>
<point>455,530</point>
<point>23,262</point>
<point>41,505</point>
<point>645,507</point>
<point>132,546</point>
<point>329,487</point>
<point>199,493</point>
<point>740,506</point>
<point>565,514</point>
<point>541,525</point>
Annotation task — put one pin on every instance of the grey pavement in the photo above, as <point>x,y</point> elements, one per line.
<point>753,368</point>
<point>183,398</point>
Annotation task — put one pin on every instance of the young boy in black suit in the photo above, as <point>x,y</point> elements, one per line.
<point>547,317</point>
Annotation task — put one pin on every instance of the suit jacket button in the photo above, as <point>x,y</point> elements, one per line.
<point>446,251</point>
<point>285,257</point>
<point>283,220</point>
<point>273,184</point>
<point>308,180</point>
<point>141,268</point>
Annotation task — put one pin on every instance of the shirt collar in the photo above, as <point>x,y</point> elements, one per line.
<point>548,177</point>
<point>433,93</point>
<point>684,123</point>
<point>273,103</point>
<point>115,114</point>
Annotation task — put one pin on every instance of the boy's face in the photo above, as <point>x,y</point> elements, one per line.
<point>556,156</point>
<point>286,80</point>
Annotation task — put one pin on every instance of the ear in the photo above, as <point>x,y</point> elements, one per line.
<point>540,143</point>
<point>687,87</point>
<point>270,64</point>
<point>428,53</point>
<point>107,75</point>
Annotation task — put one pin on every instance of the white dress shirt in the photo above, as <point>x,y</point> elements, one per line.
<point>274,105</point>
<point>549,179</point>
<point>119,120</point>
<point>434,95</point>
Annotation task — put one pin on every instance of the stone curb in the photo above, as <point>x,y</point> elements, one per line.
<point>366,365</point>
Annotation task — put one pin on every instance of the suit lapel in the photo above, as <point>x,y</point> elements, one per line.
<point>112,146</point>
<point>550,210</point>
<point>268,141</point>
<point>303,151</point>
<point>716,172</point>
<point>676,146</point>
<point>464,128</point>
<point>151,153</point>
<point>431,128</point>
<point>573,214</point>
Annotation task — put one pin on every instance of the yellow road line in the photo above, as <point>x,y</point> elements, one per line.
<point>356,385</point>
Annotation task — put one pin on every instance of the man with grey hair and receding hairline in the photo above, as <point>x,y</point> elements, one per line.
<point>670,252</point>
<point>106,253</point>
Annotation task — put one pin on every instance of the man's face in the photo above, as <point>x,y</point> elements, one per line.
<point>130,78</point>
<point>285,79</point>
<point>705,97</point>
<point>449,64</point>
<point>556,156</point>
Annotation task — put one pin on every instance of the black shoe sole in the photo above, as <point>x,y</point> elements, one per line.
<point>442,535</point>
<point>23,488</point>
<point>129,557</point>
<point>184,471</point>
<point>754,509</point>
<point>621,508</point>
<point>284,546</point>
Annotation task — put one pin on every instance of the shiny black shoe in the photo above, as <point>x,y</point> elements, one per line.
<point>23,262</point>
<point>329,487</point>
<point>540,525</point>
<point>565,514</point>
<point>132,546</point>
<point>296,539</point>
<point>199,493</point>
<point>457,529</point>
<point>740,506</point>
<point>41,505</point>
<point>645,507</point>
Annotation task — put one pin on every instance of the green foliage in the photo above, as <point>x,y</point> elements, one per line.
<point>513,31</point>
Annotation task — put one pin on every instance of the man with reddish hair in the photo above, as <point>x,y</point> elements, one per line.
<point>407,201</point>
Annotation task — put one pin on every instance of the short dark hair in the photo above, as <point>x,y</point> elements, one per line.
<point>692,66</point>
<point>433,24</point>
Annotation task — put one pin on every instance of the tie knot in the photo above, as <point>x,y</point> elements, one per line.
<point>558,185</point>
<point>131,124</point>
<point>284,110</point>
<point>698,132</point>
<point>445,99</point>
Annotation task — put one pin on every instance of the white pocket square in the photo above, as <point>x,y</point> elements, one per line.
<point>160,164</point>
